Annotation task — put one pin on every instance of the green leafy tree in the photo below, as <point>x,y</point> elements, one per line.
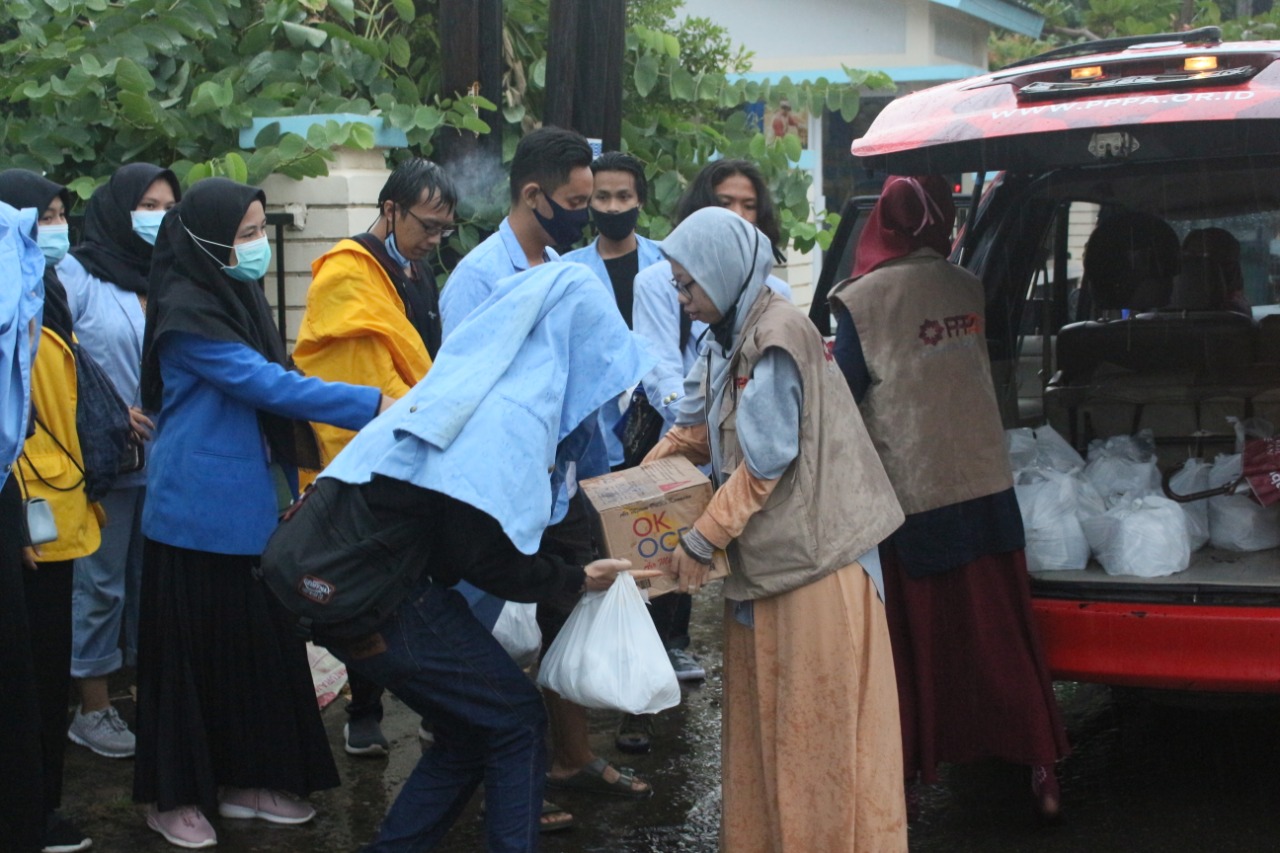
<point>89,85</point>
<point>1070,21</point>
<point>92,84</point>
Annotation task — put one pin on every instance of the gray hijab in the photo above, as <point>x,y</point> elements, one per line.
<point>729,259</point>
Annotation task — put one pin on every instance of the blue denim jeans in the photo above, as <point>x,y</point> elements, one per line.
<point>108,586</point>
<point>489,723</point>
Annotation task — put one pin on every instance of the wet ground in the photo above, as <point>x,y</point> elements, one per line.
<point>1144,776</point>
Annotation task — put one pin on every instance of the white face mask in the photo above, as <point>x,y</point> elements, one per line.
<point>146,224</point>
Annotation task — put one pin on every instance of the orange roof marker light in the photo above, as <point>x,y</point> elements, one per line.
<point>1087,72</point>
<point>1200,63</point>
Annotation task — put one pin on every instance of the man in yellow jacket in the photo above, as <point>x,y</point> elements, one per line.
<point>373,318</point>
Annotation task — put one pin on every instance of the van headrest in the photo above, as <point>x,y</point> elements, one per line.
<point>1211,271</point>
<point>1130,261</point>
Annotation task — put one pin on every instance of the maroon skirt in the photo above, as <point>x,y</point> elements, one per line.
<point>972,678</point>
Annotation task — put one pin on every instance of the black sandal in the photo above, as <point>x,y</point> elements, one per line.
<point>591,779</point>
<point>635,734</point>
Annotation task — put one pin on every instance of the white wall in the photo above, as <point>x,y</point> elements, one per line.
<point>801,34</point>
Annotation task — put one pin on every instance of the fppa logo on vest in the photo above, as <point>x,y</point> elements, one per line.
<point>934,332</point>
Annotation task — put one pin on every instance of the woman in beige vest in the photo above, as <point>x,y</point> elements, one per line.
<point>810,741</point>
<point>972,678</point>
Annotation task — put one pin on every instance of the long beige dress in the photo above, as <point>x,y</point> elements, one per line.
<point>811,745</point>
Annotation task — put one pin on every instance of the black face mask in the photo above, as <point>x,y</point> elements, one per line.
<point>615,226</point>
<point>563,226</point>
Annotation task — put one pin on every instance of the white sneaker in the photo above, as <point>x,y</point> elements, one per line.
<point>103,732</point>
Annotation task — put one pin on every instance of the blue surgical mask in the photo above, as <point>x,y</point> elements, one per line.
<point>394,251</point>
<point>54,241</point>
<point>146,224</point>
<point>252,260</point>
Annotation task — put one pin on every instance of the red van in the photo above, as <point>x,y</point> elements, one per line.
<point>1180,130</point>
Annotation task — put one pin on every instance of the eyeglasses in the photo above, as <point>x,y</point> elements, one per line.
<point>682,288</point>
<point>431,229</point>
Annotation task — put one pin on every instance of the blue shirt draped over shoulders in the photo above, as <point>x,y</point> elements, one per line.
<point>21,312</point>
<point>648,253</point>
<point>473,280</point>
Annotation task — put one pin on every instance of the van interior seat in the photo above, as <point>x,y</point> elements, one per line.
<point>1211,345</point>
<point>1269,339</point>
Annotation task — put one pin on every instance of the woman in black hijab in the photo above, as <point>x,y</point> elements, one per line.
<point>121,224</point>
<point>44,607</point>
<point>106,279</point>
<point>227,716</point>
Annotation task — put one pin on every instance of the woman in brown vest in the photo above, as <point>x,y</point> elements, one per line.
<point>972,678</point>
<point>810,739</point>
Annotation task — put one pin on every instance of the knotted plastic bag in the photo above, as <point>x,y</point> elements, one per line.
<point>1193,477</point>
<point>513,624</point>
<point>518,632</point>
<point>1237,522</point>
<point>1145,537</point>
<point>1123,467</point>
<point>608,655</point>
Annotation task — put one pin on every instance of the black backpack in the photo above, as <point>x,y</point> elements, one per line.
<point>103,426</point>
<point>336,569</point>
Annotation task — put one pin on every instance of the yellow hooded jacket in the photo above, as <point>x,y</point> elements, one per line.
<point>355,329</point>
<point>45,469</point>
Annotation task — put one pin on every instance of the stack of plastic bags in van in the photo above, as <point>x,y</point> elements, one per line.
<point>1054,498</point>
<point>1141,533</point>
<point>1113,507</point>
<point>1110,507</point>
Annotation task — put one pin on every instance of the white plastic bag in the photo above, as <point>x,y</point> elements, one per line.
<point>518,632</point>
<point>1237,522</point>
<point>608,655</point>
<point>1123,467</point>
<point>1021,446</point>
<point>1041,448</point>
<point>1145,537</point>
<point>1193,477</point>
<point>1049,503</point>
<point>1054,451</point>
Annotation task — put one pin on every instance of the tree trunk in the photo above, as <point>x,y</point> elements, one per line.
<point>471,45</point>
<point>584,68</point>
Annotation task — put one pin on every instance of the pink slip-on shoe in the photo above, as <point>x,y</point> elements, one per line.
<point>273,806</point>
<point>184,826</point>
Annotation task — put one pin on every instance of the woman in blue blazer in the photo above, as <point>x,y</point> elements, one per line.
<point>227,717</point>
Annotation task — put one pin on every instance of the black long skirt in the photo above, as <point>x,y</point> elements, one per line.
<point>224,689</point>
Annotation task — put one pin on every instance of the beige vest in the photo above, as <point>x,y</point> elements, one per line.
<point>931,408</point>
<point>834,502</point>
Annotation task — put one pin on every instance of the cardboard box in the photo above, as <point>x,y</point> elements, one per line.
<point>642,511</point>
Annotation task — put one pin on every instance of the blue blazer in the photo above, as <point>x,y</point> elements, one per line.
<point>210,486</point>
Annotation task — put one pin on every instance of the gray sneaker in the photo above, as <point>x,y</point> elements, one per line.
<point>686,665</point>
<point>103,732</point>
<point>363,736</point>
